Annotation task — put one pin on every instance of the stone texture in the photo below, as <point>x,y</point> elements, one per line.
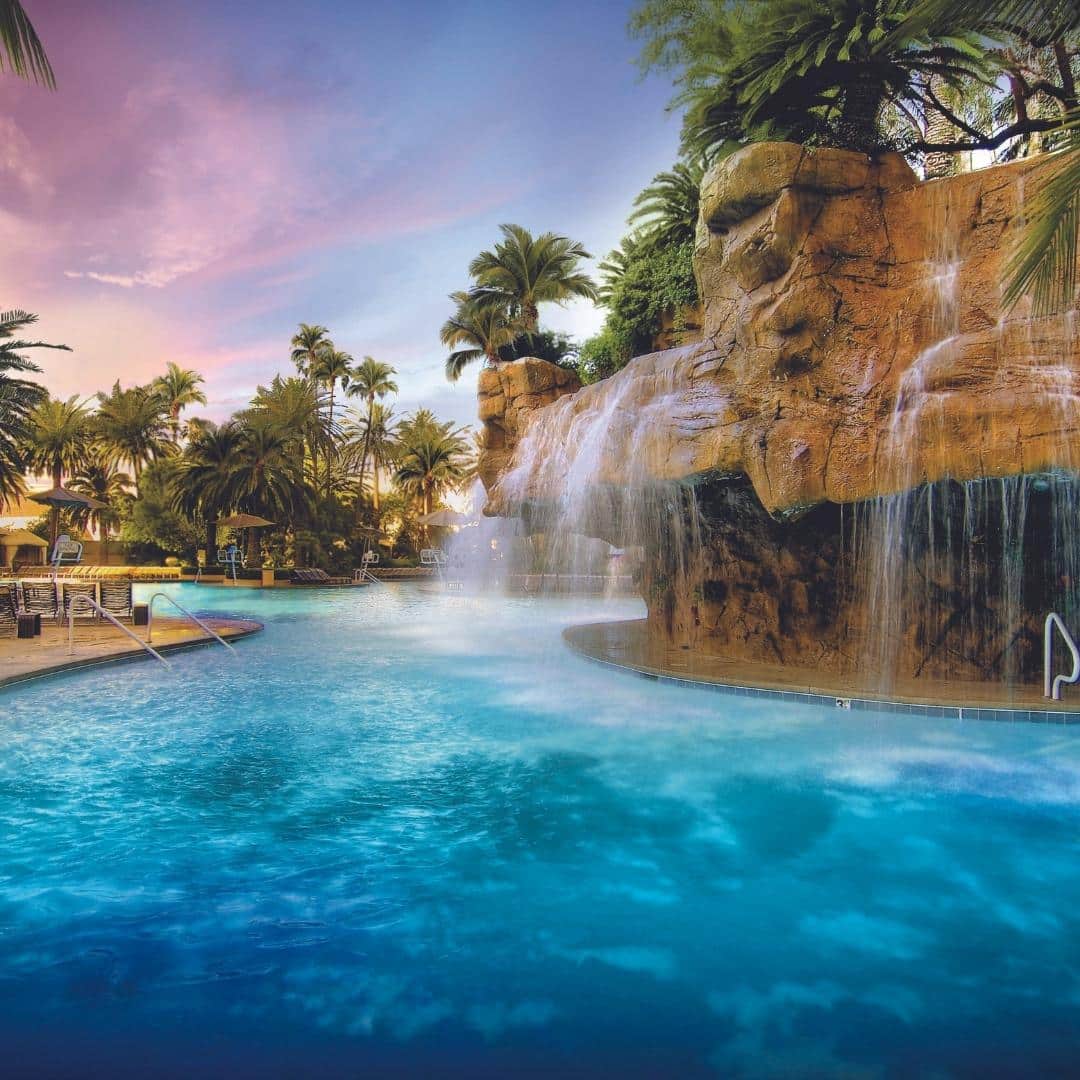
<point>853,346</point>
<point>507,396</point>
<point>820,376</point>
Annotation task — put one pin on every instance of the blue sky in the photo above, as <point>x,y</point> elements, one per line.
<point>206,176</point>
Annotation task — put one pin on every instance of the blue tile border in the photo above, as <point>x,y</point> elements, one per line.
<point>857,704</point>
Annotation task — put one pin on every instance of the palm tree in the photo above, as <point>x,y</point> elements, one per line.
<point>297,407</point>
<point>482,327</point>
<point>101,481</point>
<point>266,477</point>
<point>373,434</point>
<point>525,271</point>
<point>21,46</point>
<point>18,399</point>
<point>330,367</point>
<point>666,212</point>
<point>371,380</point>
<point>178,388</point>
<point>308,344</point>
<point>58,443</point>
<point>430,465</point>
<point>132,426</point>
<point>201,483</point>
<point>614,268</point>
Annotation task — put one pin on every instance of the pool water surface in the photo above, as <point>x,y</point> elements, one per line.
<point>412,834</point>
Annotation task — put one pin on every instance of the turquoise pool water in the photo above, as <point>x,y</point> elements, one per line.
<point>410,834</point>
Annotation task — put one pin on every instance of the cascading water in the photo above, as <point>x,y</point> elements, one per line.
<point>953,576</point>
<point>571,483</point>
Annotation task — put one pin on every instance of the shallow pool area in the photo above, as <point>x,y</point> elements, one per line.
<point>410,833</point>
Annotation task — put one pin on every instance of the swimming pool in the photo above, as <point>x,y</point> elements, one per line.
<point>413,834</point>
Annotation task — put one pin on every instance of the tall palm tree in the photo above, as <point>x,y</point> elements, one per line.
<point>18,399</point>
<point>331,366</point>
<point>133,427</point>
<point>178,388</point>
<point>430,465</point>
<point>370,380</point>
<point>666,212</point>
<point>21,46</point>
<point>524,271</point>
<point>296,406</point>
<point>266,478</point>
<point>103,482</point>
<point>58,443</point>
<point>373,434</point>
<point>201,481</point>
<point>308,344</point>
<point>482,327</point>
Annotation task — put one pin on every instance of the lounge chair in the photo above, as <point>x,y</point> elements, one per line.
<point>42,598</point>
<point>315,576</point>
<point>116,598</point>
<point>72,590</point>
<point>9,607</point>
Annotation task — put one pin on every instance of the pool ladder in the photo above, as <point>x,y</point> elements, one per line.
<point>1052,683</point>
<point>92,603</point>
<point>183,611</point>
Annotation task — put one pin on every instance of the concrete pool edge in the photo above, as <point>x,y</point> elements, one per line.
<point>231,629</point>
<point>580,639</point>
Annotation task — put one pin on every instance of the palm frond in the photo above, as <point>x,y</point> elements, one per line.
<point>1044,263</point>
<point>22,47</point>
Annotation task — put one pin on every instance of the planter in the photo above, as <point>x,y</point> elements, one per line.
<point>268,578</point>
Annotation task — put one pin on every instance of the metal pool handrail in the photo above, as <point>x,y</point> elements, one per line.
<point>1052,684</point>
<point>183,611</point>
<point>82,598</point>
<point>362,573</point>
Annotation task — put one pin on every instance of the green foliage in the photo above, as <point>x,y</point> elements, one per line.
<point>550,345</point>
<point>652,282</point>
<point>19,398</point>
<point>154,521</point>
<point>22,48</point>
<point>812,71</point>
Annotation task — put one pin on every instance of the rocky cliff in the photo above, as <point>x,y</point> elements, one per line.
<point>854,348</point>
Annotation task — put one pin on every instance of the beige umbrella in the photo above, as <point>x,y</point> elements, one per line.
<point>243,521</point>
<point>60,497</point>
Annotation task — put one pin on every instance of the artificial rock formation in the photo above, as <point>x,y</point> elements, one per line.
<point>854,346</point>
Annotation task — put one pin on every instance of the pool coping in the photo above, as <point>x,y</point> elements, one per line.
<point>809,696</point>
<point>230,629</point>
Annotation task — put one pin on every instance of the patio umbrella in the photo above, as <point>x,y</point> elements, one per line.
<point>58,498</point>
<point>444,518</point>
<point>243,521</point>
<point>246,521</point>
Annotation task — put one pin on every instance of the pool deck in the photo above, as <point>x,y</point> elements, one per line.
<point>101,643</point>
<point>626,645</point>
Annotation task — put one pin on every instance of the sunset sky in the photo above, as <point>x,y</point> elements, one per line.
<point>207,175</point>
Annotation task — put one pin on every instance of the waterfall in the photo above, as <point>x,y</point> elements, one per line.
<point>572,481</point>
<point>954,576</point>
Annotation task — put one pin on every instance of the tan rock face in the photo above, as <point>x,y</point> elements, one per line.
<point>507,394</point>
<point>853,346</point>
<point>854,340</point>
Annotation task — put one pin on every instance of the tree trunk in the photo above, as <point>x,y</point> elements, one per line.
<point>329,456</point>
<point>367,442</point>
<point>939,163</point>
<point>375,490</point>
<point>54,513</point>
<point>104,542</point>
<point>253,547</point>
<point>862,103</point>
<point>211,542</point>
